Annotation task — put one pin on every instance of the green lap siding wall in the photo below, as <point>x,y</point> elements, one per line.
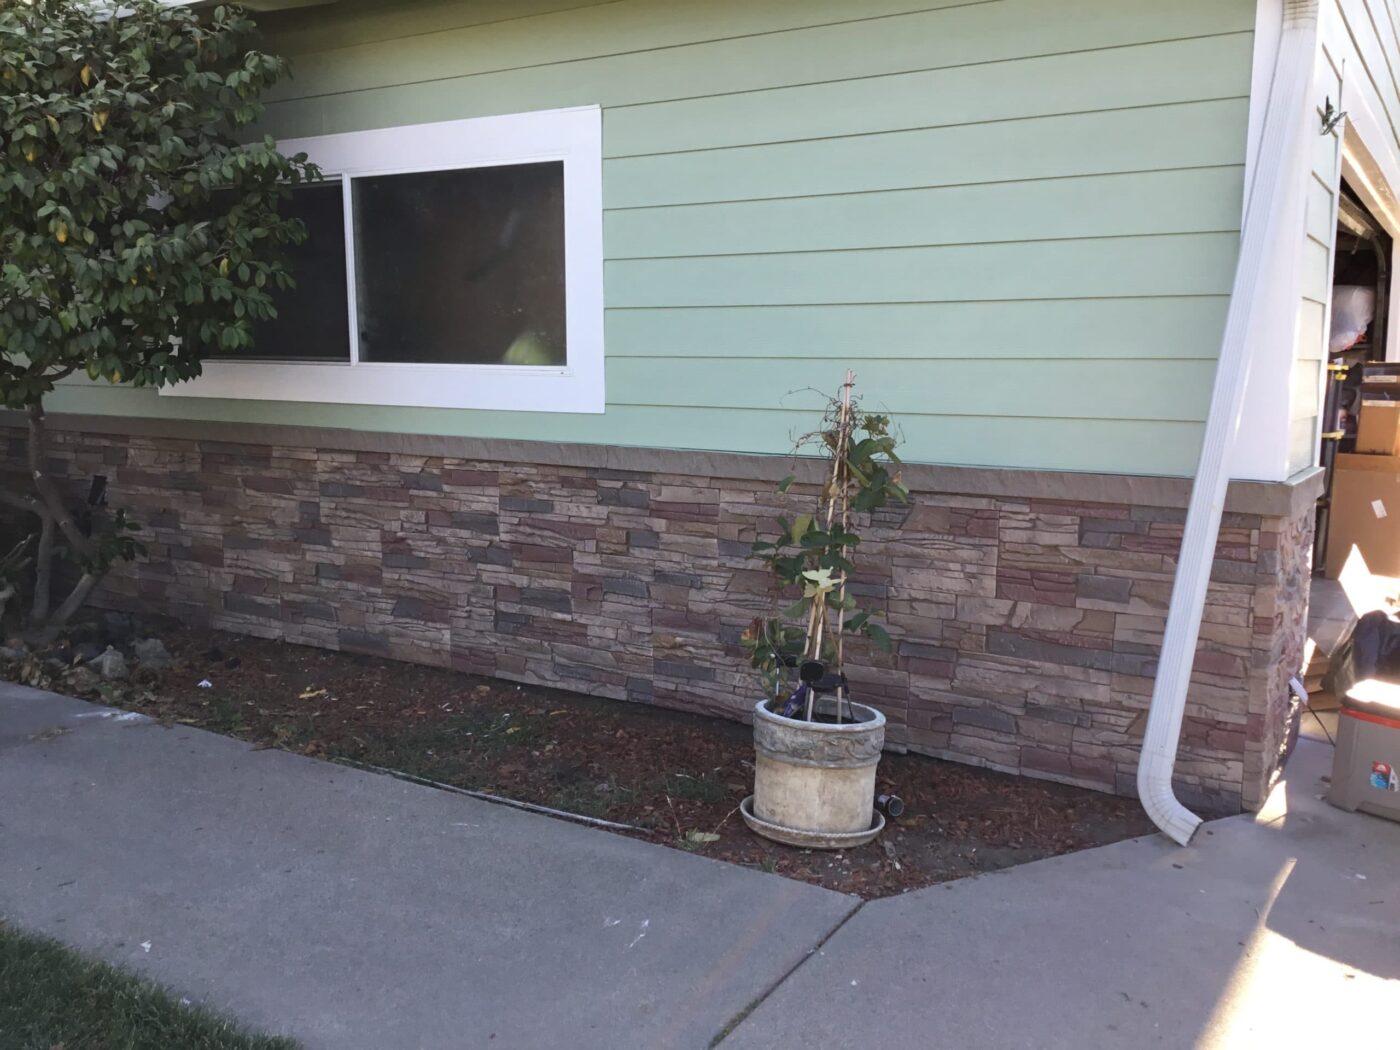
<point>1017,219</point>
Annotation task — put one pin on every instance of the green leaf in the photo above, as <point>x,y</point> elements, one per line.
<point>879,636</point>
<point>786,483</point>
<point>114,113</point>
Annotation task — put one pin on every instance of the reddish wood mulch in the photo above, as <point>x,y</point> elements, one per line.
<point>668,773</point>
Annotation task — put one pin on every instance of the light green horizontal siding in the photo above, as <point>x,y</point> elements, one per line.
<point>1113,329</point>
<point>1054,444</point>
<point>1161,137</point>
<point>1196,200</point>
<point>943,387</point>
<point>645,51</point>
<point>1016,220</point>
<point>1188,264</point>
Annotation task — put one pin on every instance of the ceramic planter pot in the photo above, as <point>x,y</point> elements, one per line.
<point>814,782</point>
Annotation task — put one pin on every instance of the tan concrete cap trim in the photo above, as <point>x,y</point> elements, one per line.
<point>1274,499</point>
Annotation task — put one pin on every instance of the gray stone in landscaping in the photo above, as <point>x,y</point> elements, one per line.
<point>81,680</point>
<point>117,626</point>
<point>110,664</point>
<point>13,653</point>
<point>357,912</point>
<point>151,652</point>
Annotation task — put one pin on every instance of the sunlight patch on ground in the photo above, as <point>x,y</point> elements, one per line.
<point>1275,994</point>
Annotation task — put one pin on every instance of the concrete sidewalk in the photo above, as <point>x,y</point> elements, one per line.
<point>353,910</point>
<point>1276,931</point>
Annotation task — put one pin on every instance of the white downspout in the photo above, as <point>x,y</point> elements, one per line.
<point>1276,165</point>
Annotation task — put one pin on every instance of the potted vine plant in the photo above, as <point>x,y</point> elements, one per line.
<point>816,749</point>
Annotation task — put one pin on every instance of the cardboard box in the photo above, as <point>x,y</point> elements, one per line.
<point>1365,514</point>
<point>1378,428</point>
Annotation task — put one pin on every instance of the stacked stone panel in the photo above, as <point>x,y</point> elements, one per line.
<point>1026,630</point>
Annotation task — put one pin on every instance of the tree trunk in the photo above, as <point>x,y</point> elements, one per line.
<point>48,492</point>
<point>43,573</point>
<point>55,518</point>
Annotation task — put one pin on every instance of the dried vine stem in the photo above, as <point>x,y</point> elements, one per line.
<point>837,493</point>
<point>845,527</point>
<point>814,552</point>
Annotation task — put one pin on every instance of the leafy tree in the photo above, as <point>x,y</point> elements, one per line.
<point>139,224</point>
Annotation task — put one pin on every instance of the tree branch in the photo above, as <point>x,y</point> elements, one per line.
<point>33,506</point>
<point>74,601</point>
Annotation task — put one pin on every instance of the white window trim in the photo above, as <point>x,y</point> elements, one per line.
<point>573,136</point>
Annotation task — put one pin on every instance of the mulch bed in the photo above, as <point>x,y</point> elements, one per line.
<point>677,777</point>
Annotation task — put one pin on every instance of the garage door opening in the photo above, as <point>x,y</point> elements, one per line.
<point>1360,447</point>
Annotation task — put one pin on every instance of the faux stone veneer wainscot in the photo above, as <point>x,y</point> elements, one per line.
<point>1027,607</point>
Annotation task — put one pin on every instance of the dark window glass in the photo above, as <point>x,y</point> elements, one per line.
<point>462,267</point>
<point>312,322</point>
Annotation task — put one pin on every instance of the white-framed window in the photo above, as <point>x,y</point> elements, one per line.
<point>448,265</point>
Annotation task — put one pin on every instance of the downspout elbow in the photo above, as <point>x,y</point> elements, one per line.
<point>1158,798</point>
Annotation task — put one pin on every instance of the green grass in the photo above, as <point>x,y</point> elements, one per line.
<point>699,789</point>
<point>588,801</point>
<point>52,997</point>
<point>451,752</point>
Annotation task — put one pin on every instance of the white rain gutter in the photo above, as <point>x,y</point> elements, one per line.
<point>1276,166</point>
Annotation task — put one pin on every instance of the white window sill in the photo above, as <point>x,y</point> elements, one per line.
<point>500,387</point>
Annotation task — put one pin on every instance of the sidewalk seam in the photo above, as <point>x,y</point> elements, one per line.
<point>734,1022</point>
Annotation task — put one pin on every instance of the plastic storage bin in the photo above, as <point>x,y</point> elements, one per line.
<point>1366,767</point>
